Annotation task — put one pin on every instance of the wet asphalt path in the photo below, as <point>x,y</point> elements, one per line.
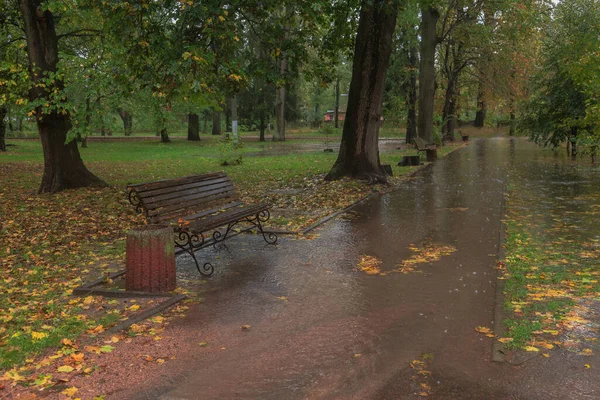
<point>320,329</point>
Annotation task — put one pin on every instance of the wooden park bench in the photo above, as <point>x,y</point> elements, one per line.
<point>199,207</point>
<point>421,145</point>
<point>430,149</point>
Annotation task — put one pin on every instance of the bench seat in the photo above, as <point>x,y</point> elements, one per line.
<point>196,205</point>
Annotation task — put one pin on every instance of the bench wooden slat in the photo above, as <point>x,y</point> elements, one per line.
<point>183,195</point>
<point>165,183</point>
<point>183,186</point>
<point>213,210</point>
<point>214,221</point>
<point>193,205</point>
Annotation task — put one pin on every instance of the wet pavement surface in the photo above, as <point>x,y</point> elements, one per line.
<point>321,329</point>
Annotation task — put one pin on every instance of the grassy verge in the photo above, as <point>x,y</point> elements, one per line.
<point>53,243</point>
<point>551,273</point>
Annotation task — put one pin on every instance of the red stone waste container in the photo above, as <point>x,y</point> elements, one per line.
<point>150,259</point>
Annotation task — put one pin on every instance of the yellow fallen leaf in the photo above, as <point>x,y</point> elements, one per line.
<point>65,368</point>
<point>70,392</point>
<point>483,329</point>
<point>546,355</point>
<point>12,375</point>
<point>134,307</point>
<point>587,366</point>
<point>160,361</point>
<point>505,340</point>
<point>245,327</point>
<point>530,348</point>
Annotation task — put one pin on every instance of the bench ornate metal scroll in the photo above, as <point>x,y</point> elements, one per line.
<point>203,209</point>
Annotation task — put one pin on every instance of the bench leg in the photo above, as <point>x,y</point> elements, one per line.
<point>185,241</point>
<point>257,221</point>
<point>219,237</point>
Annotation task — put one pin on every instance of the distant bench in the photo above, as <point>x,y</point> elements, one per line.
<point>195,206</point>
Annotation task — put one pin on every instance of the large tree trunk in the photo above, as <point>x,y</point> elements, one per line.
<point>411,117</point>
<point>164,136</point>
<point>193,127</point>
<point>262,126</point>
<point>481,106</point>
<point>337,101</point>
<point>63,167</point>
<point>429,17</point>
<point>216,122</point>
<point>449,108</point>
<point>279,133</point>
<point>127,121</point>
<point>204,121</point>
<point>3,112</point>
<point>359,150</point>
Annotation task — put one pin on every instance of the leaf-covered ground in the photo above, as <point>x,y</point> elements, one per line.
<point>51,244</point>
<point>551,270</point>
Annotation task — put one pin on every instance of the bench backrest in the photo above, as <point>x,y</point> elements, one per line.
<point>420,144</point>
<point>170,199</point>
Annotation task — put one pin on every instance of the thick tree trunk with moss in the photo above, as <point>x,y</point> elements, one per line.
<point>193,127</point>
<point>63,167</point>
<point>429,18</point>
<point>359,149</point>
<point>3,113</point>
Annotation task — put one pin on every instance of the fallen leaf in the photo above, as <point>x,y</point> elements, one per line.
<point>65,368</point>
<point>70,392</point>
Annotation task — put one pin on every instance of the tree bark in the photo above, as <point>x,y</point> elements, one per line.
<point>63,166</point>
<point>216,122</point>
<point>337,101</point>
<point>3,112</point>
<point>411,117</point>
<point>127,121</point>
<point>204,121</point>
<point>262,126</point>
<point>164,136</point>
<point>481,106</point>
<point>359,149</point>
<point>193,127</point>
<point>449,110</point>
<point>429,17</point>
<point>279,133</point>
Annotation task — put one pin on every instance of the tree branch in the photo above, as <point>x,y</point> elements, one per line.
<point>80,33</point>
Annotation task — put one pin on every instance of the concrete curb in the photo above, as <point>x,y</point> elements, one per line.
<point>169,302</point>
<point>498,352</point>
<point>90,289</point>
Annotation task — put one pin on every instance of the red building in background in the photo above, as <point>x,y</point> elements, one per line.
<point>330,115</point>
